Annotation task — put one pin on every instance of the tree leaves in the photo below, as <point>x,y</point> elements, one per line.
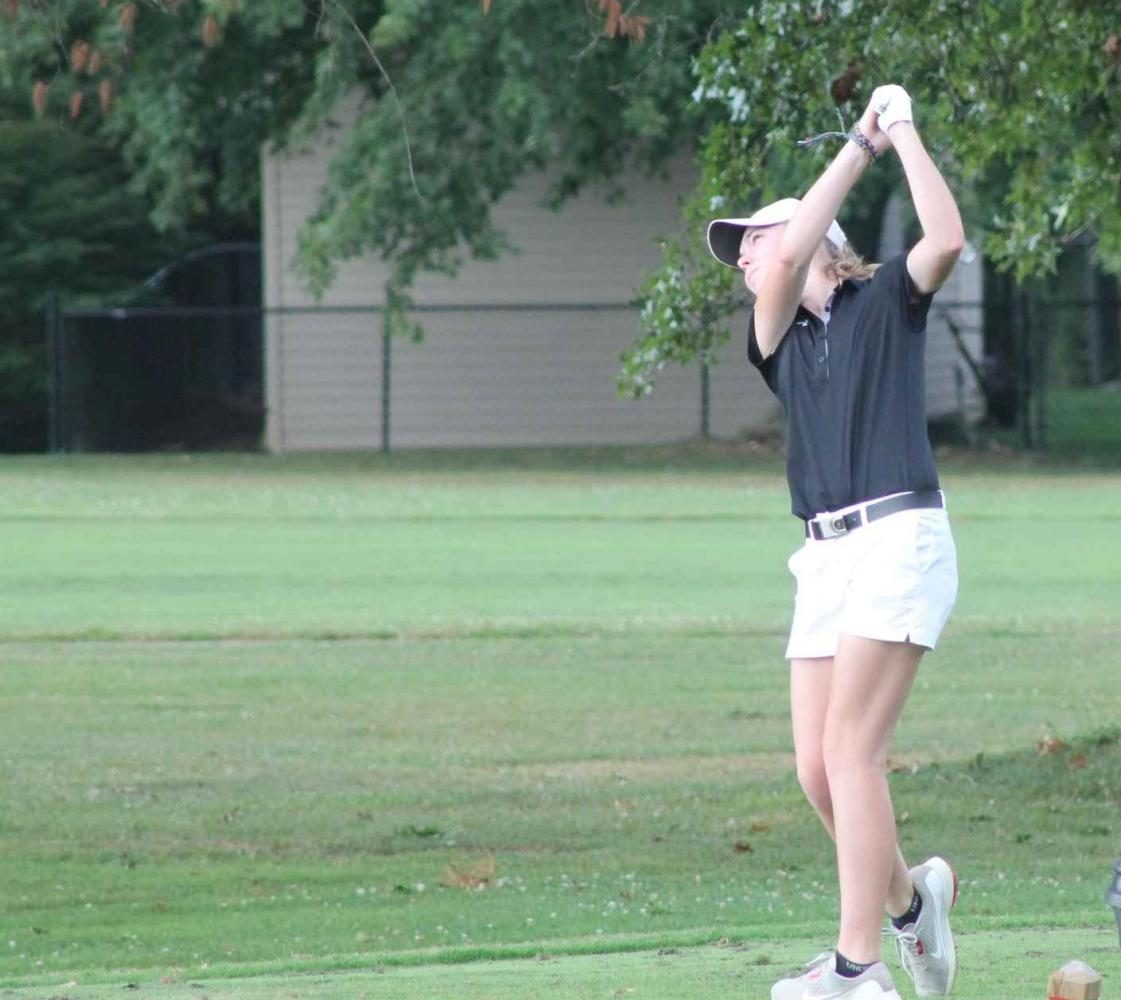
<point>618,23</point>
<point>126,17</point>
<point>1019,105</point>
<point>210,31</point>
<point>614,12</point>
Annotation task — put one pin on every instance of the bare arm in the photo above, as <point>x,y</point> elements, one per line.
<point>785,282</point>
<point>933,258</point>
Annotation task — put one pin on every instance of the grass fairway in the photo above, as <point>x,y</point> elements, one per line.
<point>997,964</point>
<point>257,711</point>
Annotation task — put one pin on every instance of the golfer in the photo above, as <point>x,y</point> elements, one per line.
<point>841,344</point>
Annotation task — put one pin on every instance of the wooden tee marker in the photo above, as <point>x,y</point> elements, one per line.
<point>1074,981</point>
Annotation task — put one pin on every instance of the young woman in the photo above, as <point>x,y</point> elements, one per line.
<point>841,344</point>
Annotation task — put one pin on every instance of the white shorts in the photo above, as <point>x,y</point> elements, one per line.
<point>893,579</point>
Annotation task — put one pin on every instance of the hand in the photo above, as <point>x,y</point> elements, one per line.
<point>869,124</point>
<point>893,105</point>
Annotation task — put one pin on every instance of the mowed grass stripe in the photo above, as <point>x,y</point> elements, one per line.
<point>1001,964</point>
<point>261,578</point>
<point>174,806</point>
<point>582,679</point>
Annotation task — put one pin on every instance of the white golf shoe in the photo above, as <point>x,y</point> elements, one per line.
<point>821,982</point>
<point>926,947</point>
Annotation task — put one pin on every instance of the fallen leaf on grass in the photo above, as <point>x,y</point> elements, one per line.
<point>473,876</point>
<point>1050,745</point>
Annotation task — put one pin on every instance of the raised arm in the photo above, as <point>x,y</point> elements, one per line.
<point>933,258</point>
<point>785,280</point>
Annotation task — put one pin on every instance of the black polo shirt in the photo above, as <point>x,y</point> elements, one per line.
<point>854,392</point>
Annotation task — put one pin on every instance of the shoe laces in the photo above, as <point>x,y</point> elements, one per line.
<point>911,951</point>
<point>817,961</point>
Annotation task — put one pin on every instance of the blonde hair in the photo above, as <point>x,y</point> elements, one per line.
<point>845,263</point>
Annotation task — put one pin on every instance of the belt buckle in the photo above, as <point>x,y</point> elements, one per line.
<point>831,526</point>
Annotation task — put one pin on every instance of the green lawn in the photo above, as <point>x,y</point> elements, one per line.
<point>257,710</point>
<point>1085,423</point>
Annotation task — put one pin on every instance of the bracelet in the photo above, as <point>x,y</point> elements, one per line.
<point>864,143</point>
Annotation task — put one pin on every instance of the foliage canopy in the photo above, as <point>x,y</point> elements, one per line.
<point>1018,100</point>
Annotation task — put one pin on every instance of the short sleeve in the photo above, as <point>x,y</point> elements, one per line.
<point>754,355</point>
<point>894,283</point>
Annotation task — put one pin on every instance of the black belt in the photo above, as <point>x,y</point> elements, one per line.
<point>828,525</point>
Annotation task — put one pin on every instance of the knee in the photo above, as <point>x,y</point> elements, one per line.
<point>814,779</point>
<point>848,757</point>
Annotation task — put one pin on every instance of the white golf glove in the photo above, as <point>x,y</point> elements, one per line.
<point>893,104</point>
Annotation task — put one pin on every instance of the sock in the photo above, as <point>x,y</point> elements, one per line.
<point>911,915</point>
<point>850,970</point>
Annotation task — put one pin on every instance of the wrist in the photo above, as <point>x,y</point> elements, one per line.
<point>863,143</point>
<point>852,159</point>
<point>905,138</point>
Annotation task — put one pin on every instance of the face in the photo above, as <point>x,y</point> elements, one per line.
<point>757,249</point>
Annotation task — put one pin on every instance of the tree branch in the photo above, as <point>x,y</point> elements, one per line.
<point>392,90</point>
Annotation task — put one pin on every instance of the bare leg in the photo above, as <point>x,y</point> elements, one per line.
<point>809,701</point>
<point>869,687</point>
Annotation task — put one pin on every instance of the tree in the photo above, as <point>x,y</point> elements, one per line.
<point>1019,101</point>
<point>67,224</point>
<point>1017,98</point>
<point>459,100</point>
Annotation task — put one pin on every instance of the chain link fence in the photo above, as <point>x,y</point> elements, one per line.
<point>1028,372</point>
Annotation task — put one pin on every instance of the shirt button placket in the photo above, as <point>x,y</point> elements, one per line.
<point>821,353</point>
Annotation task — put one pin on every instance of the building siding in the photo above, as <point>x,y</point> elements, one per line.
<point>532,354</point>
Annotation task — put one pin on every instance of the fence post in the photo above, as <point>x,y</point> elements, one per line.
<point>1039,375</point>
<point>1096,327</point>
<point>54,373</point>
<point>386,368</point>
<point>1024,375</point>
<point>706,401</point>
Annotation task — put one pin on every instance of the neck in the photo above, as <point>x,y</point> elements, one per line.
<point>819,286</point>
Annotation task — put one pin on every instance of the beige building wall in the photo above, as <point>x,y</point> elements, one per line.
<point>488,376</point>
<point>532,356</point>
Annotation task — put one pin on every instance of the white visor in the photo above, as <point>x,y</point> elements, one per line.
<point>725,235</point>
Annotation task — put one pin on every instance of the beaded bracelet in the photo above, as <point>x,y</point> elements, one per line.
<point>854,136</point>
<point>863,142</point>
